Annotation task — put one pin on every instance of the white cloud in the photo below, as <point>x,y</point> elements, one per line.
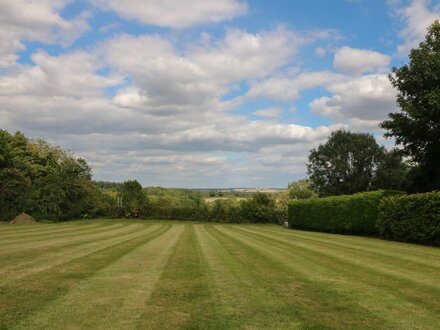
<point>242,55</point>
<point>175,13</point>
<point>358,61</point>
<point>158,113</point>
<point>368,97</point>
<point>71,74</point>
<point>167,123</point>
<point>416,16</point>
<point>168,82</point>
<point>286,88</point>
<point>22,20</point>
<point>269,112</point>
<point>164,81</point>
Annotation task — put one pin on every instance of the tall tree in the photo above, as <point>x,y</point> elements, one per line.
<point>417,126</point>
<point>301,189</point>
<point>345,164</point>
<point>391,172</point>
<point>43,180</point>
<point>132,197</point>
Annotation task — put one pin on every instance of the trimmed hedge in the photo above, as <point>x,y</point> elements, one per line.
<point>345,214</point>
<point>411,218</point>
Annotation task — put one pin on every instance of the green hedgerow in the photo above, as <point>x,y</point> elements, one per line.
<point>345,214</point>
<point>411,218</point>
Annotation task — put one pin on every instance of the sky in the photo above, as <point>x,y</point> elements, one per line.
<point>202,93</point>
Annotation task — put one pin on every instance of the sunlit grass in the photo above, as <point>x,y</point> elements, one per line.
<point>166,275</point>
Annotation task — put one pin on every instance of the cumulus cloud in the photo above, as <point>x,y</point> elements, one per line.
<point>167,115</point>
<point>369,97</point>
<point>175,13</point>
<point>358,61</point>
<point>286,88</point>
<point>168,82</point>
<point>22,20</point>
<point>71,74</point>
<point>416,16</point>
<point>242,55</point>
<point>269,112</point>
<point>147,106</point>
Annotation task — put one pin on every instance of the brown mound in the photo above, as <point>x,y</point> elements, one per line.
<point>24,219</point>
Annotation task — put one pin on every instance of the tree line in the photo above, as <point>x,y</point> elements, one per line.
<point>45,181</point>
<point>52,184</point>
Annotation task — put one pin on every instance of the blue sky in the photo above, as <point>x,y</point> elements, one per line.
<point>202,93</point>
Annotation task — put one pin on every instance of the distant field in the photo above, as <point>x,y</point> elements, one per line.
<point>166,275</point>
<point>210,200</point>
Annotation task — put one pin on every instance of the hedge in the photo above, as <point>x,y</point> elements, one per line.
<point>345,214</point>
<point>411,218</point>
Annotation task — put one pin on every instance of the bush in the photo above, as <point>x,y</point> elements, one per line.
<point>345,214</point>
<point>411,218</point>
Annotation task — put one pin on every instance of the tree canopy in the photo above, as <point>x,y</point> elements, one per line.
<point>132,198</point>
<point>301,189</point>
<point>43,180</point>
<point>416,128</point>
<point>352,162</point>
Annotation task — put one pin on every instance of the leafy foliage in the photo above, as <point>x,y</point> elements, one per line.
<point>260,209</point>
<point>412,218</point>
<point>43,180</point>
<point>346,214</point>
<point>417,126</point>
<point>108,185</point>
<point>165,203</point>
<point>301,189</point>
<point>132,199</point>
<point>353,162</point>
<point>184,204</point>
<point>391,172</point>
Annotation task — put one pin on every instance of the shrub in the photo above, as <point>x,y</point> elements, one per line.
<point>411,218</point>
<point>345,214</point>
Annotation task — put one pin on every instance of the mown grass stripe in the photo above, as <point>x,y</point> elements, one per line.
<point>84,251</point>
<point>50,240</point>
<point>369,289</point>
<point>113,297</point>
<point>431,256</point>
<point>45,257</point>
<point>360,241</point>
<point>180,296</point>
<point>26,296</point>
<point>327,252</point>
<point>157,274</point>
<point>6,229</point>
<point>62,235</point>
<point>418,272</point>
<point>237,289</point>
<point>30,231</point>
<point>316,304</point>
<point>24,253</point>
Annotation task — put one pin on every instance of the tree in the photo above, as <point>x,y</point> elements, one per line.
<point>345,164</point>
<point>301,189</point>
<point>391,172</point>
<point>133,198</point>
<point>417,126</point>
<point>259,209</point>
<point>15,174</point>
<point>41,179</point>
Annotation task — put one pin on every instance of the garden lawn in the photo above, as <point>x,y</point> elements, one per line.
<point>111,274</point>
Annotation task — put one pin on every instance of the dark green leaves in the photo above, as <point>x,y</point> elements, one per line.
<point>417,127</point>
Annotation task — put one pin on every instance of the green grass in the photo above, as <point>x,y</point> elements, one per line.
<point>105,274</point>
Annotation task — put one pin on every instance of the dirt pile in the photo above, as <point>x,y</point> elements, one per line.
<point>24,219</point>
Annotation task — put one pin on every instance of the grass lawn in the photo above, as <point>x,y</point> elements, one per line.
<point>167,275</point>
